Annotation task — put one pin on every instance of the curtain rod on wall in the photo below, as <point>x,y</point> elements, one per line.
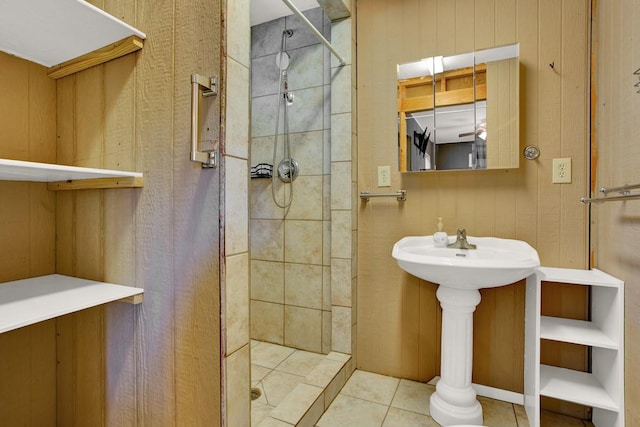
<point>314,30</point>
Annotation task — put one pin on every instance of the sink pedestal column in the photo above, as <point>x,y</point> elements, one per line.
<point>454,401</point>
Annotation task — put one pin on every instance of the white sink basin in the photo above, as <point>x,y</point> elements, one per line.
<point>460,274</point>
<point>495,262</point>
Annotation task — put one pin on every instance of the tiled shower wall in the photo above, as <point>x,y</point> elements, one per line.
<point>291,255</point>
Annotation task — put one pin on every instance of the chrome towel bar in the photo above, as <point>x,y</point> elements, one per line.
<point>400,195</point>
<point>625,194</point>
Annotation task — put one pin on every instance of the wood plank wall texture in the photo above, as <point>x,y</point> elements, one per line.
<point>616,242</point>
<point>27,239</point>
<point>398,315</point>
<point>153,364</point>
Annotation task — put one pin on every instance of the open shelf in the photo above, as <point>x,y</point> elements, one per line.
<point>575,331</point>
<point>28,301</point>
<point>574,386</point>
<point>64,33</point>
<point>592,277</point>
<point>603,387</point>
<point>67,177</point>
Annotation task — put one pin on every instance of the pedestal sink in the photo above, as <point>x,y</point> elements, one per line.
<point>460,273</point>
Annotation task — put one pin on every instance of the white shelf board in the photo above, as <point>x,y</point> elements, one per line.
<point>574,386</point>
<point>593,277</point>
<point>17,170</point>
<point>51,32</point>
<point>28,301</point>
<point>575,331</point>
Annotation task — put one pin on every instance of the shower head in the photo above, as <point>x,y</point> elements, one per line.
<point>282,58</point>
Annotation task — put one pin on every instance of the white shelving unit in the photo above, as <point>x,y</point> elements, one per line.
<point>603,387</point>
<point>28,301</point>
<point>66,35</point>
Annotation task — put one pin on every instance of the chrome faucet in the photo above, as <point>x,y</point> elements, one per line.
<point>461,241</point>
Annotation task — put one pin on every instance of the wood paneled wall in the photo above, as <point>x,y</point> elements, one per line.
<point>616,240</point>
<point>27,239</point>
<point>157,363</point>
<point>398,315</point>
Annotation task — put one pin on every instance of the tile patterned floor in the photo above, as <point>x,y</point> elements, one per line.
<point>366,400</point>
<point>372,400</point>
<point>296,386</point>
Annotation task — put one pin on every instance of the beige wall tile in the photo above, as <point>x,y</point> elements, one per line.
<point>341,329</point>
<point>238,399</point>
<point>326,243</point>
<point>313,414</point>
<point>326,144</point>
<point>341,292</point>
<point>326,196</point>
<point>236,127</point>
<point>262,149</point>
<point>341,99</point>
<point>267,281</point>
<point>307,198</point>
<point>262,204</point>
<point>341,185</point>
<point>341,234</point>
<point>238,36</point>
<point>326,288</point>
<point>303,285</point>
<point>334,387</point>
<point>237,302</point>
<point>341,137</point>
<point>303,328</point>
<point>236,206</point>
<point>303,242</point>
<point>267,240</point>
<point>326,331</point>
<point>267,321</point>
<point>307,149</point>
<point>341,40</point>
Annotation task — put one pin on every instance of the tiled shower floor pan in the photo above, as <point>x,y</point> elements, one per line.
<point>295,386</point>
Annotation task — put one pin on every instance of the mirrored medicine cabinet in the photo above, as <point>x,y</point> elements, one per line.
<point>459,112</point>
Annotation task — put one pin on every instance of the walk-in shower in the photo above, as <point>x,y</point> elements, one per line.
<point>290,221</point>
<point>292,249</point>
<point>287,169</point>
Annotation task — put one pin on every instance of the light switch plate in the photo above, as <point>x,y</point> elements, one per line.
<point>384,176</point>
<point>562,170</point>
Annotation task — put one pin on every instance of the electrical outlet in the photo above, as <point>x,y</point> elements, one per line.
<point>384,176</point>
<point>562,170</point>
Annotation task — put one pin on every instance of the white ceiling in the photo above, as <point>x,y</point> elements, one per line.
<point>268,10</point>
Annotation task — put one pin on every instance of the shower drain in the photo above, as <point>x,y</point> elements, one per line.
<point>255,393</point>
